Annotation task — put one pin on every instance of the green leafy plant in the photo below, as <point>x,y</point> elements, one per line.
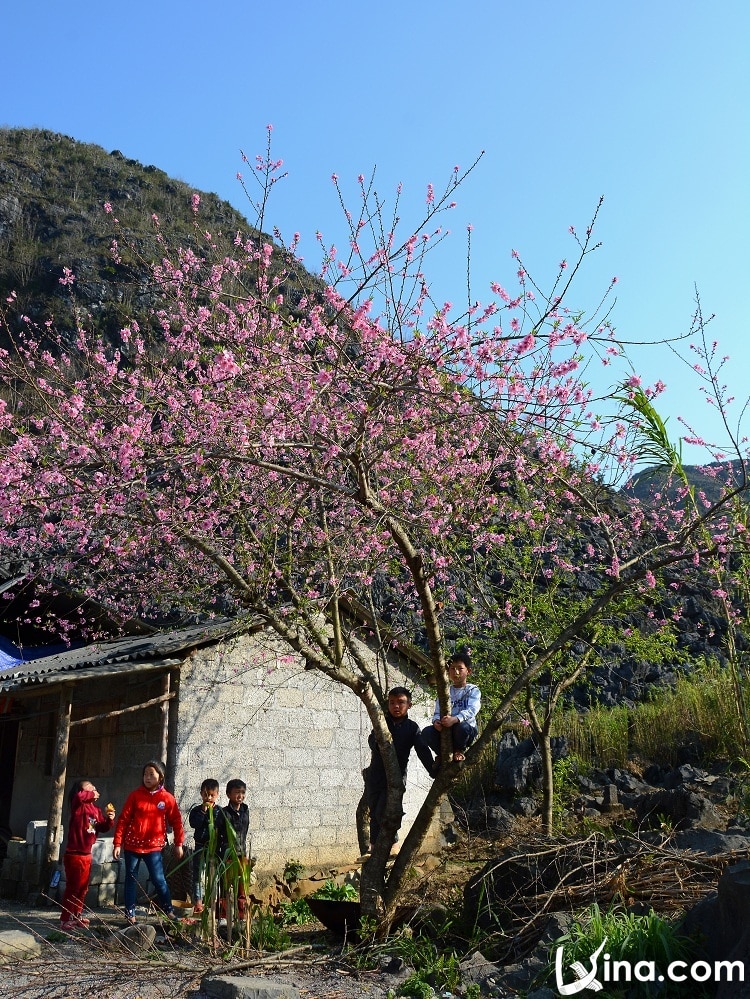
<point>630,937</point>
<point>292,871</point>
<point>336,892</point>
<point>432,968</point>
<point>565,773</point>
<point>416,986</point>
<point>742,791</point>
<point>472,991</point>
<point>297,913</point>
<point>368,927</point>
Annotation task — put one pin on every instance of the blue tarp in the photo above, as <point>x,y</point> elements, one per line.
<point>11,656</point>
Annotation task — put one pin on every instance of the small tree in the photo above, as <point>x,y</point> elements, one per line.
<point>240,455</point>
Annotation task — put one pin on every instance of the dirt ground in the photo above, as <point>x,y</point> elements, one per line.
<point>91,964</point>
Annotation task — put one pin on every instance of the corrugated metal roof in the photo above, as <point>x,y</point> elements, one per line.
<point>124,655</point>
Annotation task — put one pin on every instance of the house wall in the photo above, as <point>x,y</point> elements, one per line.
<point>249,709</point>
<point>244,708</point>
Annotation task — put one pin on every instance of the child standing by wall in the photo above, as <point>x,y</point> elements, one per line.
<point>86,820</point>
<point>202,818</point>
<point>237,815</point>
<point>237,867</point>
<point>142,832</point>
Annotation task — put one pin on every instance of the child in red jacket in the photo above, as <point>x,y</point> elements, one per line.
<point>142,832</point>
<point>86,820</point>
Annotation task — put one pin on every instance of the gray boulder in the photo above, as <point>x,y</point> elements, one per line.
<point>686,809</point>
<point>518,765</point>
<point>478,970</point>
<point>721,925</point>
<point>711,841</point>
<point>241,987</point>
<point>16,945</point>
<point>135,939</point>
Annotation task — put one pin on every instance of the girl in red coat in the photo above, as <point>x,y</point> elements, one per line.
<point>86,820</point>
<point>142,832</point>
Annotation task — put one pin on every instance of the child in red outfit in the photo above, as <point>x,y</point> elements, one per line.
<point>86,820</point>
<point>141,834</point>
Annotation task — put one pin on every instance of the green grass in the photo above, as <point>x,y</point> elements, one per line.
<point>630,937</point>
<point>702,707</point>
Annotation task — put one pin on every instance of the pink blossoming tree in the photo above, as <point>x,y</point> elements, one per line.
<point>291,453</point>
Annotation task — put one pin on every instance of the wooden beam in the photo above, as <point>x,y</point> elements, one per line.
<point>59,773</point>
<point>124,711</point>
<point>164,718</point>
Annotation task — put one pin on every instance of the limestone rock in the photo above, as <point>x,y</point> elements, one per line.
<point>17,945</point>
<point>241,987</point>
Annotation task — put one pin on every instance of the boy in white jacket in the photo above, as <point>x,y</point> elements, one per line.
<point>466,700</point>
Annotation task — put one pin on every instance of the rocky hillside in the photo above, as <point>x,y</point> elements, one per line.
<point>706,480</point>
<point>52,196</point>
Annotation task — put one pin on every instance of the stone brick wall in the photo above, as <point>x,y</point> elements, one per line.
<point>249,709</point>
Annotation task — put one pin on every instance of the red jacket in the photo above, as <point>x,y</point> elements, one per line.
<point>86,820</point>
<point>142,825</point>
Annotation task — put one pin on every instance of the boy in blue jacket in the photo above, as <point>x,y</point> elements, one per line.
<point>466,700</point>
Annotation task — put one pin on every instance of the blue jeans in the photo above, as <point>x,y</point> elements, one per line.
<point>463,735</point>
<point>155,868</point>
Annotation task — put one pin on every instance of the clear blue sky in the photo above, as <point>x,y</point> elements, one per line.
<point>644,102</point>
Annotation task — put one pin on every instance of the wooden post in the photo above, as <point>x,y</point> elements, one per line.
<point>59,773</point>
<point>164,745</point>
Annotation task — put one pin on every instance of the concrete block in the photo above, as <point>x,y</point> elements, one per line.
<point>330,778</point>
<point>107,895</point>
<point>34,853</point>
<point>109,873</point>
<point>288,697</point>
<point>278,777</point>
<point>32,873</point>
<point>13,870</point>
<point>16,849</point>
<point>102,850</point>
<point>313,738</point>
<point>36,832</point>
<point>242,987</point>
<point>8,887</point>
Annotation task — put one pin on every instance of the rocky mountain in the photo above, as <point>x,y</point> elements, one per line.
<point>706,480</point>
<point>53,190</point>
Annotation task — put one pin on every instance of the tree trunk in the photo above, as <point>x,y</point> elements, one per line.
<point>363,824</point>
<point>164,710</point>
<point>548,784</point>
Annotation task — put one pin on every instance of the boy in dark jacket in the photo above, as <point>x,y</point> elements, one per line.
<point>201,819</point>
<point>237,866</point>
<point>406,736</point>
<point>237,815</point>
